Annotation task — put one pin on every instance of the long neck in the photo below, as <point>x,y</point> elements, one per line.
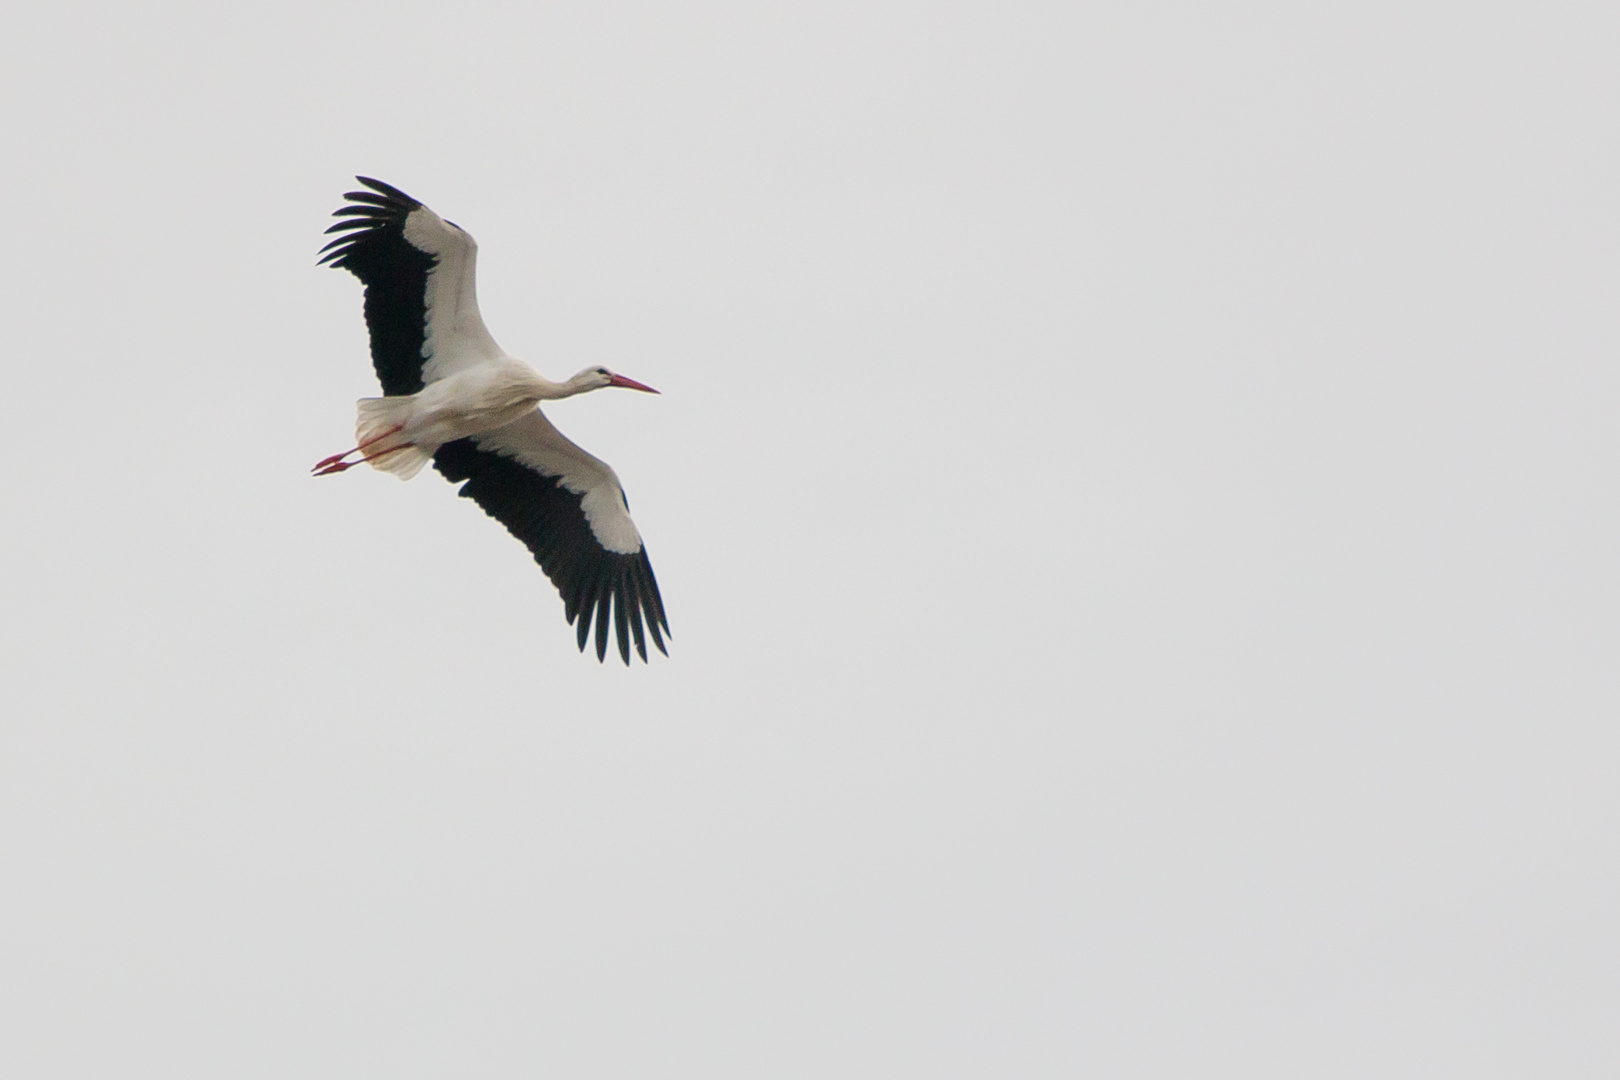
<point>546,390</point>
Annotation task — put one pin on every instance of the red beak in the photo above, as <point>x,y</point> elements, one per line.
<point>630,384</point>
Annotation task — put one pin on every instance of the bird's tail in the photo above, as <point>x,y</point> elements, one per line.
<point>379,429</point>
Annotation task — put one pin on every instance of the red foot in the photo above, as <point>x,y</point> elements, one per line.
<point>327,465</point>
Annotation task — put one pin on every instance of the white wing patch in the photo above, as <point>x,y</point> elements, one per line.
<point>456,337</point>
<point>535,443</point>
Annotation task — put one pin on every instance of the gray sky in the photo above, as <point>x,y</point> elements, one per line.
<point>1133,489</point>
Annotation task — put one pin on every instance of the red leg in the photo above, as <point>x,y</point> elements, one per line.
<point>338,466</point>
<point>324,466</point>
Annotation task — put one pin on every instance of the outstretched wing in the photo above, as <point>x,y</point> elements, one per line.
<point>421,301</point>
<point>570,511</point>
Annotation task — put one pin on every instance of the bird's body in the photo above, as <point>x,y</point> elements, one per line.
<point>475,400</point>
<point>453,396</point>
<point>400,434</point>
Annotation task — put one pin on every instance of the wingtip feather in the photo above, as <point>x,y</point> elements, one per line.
<point>603,613</point>
<point>621,622</point>
<point>389,190</point>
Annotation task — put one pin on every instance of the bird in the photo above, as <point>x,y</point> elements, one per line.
<point>453,396</point>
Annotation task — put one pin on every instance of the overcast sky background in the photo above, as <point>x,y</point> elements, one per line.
<point>1134,489</point>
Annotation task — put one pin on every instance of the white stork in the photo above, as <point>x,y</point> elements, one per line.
<point>456,397</point>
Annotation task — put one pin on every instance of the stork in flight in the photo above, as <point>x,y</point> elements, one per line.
<point>454,396</point>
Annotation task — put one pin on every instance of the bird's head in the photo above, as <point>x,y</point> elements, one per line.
<point>595,378</point>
